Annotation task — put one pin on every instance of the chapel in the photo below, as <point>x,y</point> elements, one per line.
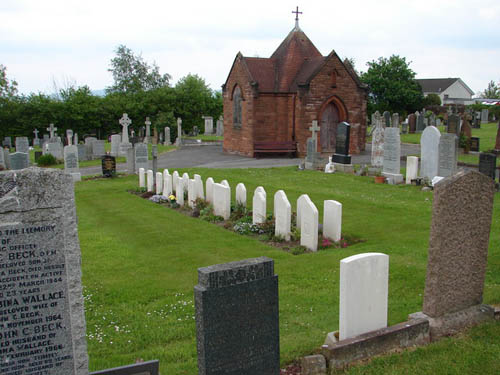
<point>276,99</point>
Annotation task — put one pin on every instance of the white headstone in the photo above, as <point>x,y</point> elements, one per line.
<point>191,192</point>
<point>283,214</point>
<point>179,192</point>
<point>142,178</point>
<point>167,183</point>
<point>175,180</point>
<point>199,186</point>
<point>261,189</point>
<point>225,183</point>
<point>300,204</point>
<point>209,188</point>
<point>222,200</point>
<point>411,168</point>
<point>309,225</point>
<point>363,294</point>
<point>185,180</point>
<point>241,194</point>
<point>159,183</point>
<point>429,152</point>
<point>258,207</point>
<point>150,180</point>
<point>332,220</point>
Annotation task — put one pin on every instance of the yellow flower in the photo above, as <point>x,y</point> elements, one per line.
<point>171,197</point>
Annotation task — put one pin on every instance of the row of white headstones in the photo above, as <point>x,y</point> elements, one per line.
<point>219,195</point>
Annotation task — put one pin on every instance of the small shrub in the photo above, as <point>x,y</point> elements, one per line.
<point>46,160</point>
<point>297,250</point>
<point>237,211</point>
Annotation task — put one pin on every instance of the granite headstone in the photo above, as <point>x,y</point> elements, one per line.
<point>141,156</point>
<point>19,160</point>
<point>448,153</point>
<point>488,164</point>
<point>342,144</point>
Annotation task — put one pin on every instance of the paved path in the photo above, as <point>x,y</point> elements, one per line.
<point>211,156</point>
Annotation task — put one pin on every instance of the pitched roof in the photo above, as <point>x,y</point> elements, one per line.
<point>438,85</point>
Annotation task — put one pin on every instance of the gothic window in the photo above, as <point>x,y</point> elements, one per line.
<point>237,107</point>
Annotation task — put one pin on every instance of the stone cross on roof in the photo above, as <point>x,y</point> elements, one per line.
<point>52,130</point>
<point>125,121</point>
<point>297,17</point>
<point>314,128</point>
<point>36,133</point>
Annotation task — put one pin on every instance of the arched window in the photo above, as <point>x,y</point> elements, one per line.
<point>237,106</point>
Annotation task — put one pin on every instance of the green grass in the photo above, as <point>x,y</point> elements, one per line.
<point>140,262</point>
<point>206,138</point>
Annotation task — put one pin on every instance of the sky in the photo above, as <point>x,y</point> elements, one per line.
<point>56,43</point>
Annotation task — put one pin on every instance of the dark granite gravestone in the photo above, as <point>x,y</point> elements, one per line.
<point>454,124</point>
<point>474,143</point>
<point>7,142</point>
<point>237,318</point>
<point>488,164</point>
<point>42,318</point>
<point>37,155</point>
<point>342,144</point>
<point>420,122</point>
<point>142,368</point>
<point>108,166</point>
<point>387,119</point>
<point>412,123</point>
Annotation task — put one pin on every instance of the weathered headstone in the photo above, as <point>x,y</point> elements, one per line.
<point>364,285</point>
<point>98,149</point>
<point>283,215</point>
<point>116,139</point>
<point>392,155</point>
<point>178,141</point>
<point>411,168</point>
<point>69,137</point>
<point>199,187</point>
<point>82,152</point>
<point>342,140</point>
<point>147,138</point>
<point>36,140</point>
<point>219,131</point>
<point>22,145</point>
<point>484,116</point>
<point>259,208</point>
<point>332,220</point>
<point>209,189</point>
<point>75,139</point>
<point>3,165</point>
<point>448,153</point>
<point>237,318</point>
<point>241,194</point>
<point>108,164</point>
<point>453,124</point>
<point>7,142</point>
<point>458,253</point>
<point>488,164</point>
<point>141,156</point>
<point>19,160</point>
<point>124,144</point>
<point>154,156</point>
<point>6,157</point>
<point>377,159</point>
<point>387,119</point>
<point>429,152</point>
<point>395,120</point>
<point>71,162</point>
<point>131,161</point>
<point>222,201</point>
<point>209,125</point>
<point>412,123</point>
<point>309,225</point>
<point>167,136</point>
<point>52,130</point>
<point>313,157</point>
<point>42,315</point>
<point>420,122</point>
<point>55,149</point>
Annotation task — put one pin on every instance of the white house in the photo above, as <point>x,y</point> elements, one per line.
<point>450,90</point>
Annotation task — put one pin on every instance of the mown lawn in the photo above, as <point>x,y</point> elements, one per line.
<point>140,262</point>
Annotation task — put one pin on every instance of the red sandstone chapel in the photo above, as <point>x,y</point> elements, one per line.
<point>276,99</point>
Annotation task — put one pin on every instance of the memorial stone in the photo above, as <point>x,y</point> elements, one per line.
<point>309,225</point>
<point>3,165</point>
<point>332,220</point>
<point>108,164</point>
<point>411,168</point>
<point>141,156</point>
<point>300,205</point>
<point>82,152</point>
<point>241,194</point>
<point>222,200</point>
<point>55,149</point>
<point>167,136</point>
<point>412,123</point>
<point>209,125</point>
<point>75,139</point>
<point>19,160</point>
<point>448,153</point>
<point>392,155</point>
<point>6,157</point>
<point>420,126</point>
<point>131,161</point>
<point>283,215</point>
<point>458,253</point>
<point>219,131</point>
<point>7,142</point>
<point>178,141</point>
<point>474,144</point>
<point>124,144</point>
<point>429,152</point>
<point>454,124</point>
<point>52,131</point>
<point>71,159</point>
<point>98,149</point>
<point>159,183</point>
<point>167,183</point>
<point>341,155</point>
<point>154,156</point>
<point>150,183</point>
<point>259,208</point>
<point>147,138</point>
<point>237,318</point>
<point>484,116</point>
<point>115,144</point>
<point>36,140</point>
<point>22,145</point>
<point>195,131</point>
<point>395,120</point>
<point>488,164</point>
<point>69,137</point>
<point>377,159</point>
<point>313,157</point>
<point>142,178</point>
<point>387,119</point>
<point>37,212</point>
<point>175,180</point>
<point>199,186</point>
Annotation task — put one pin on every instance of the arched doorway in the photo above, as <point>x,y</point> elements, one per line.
<point>328,128</point>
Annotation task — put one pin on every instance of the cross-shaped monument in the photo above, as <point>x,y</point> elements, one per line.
<point>314,128</point>
<point>36,141</point>
<point>125,122</point>
<point>36,133</point>
<point>52,130</point>
<point>297,17</point>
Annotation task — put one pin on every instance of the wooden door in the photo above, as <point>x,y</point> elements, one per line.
<point>328,131</point>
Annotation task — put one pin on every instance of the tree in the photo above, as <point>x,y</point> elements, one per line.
<point>432,99</point>
<point>492,91</point>
<point>7,88</point>
<point>132,74</point>
<point>392,85</point>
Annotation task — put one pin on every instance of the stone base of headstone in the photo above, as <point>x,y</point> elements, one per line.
<point>343,159</point>
<point>453,323</point>
<point>313,365</point>
<point>341,167</point>
<point>76,176</point>
<point>314,161</point>
<point>395,177</point>
<point>403,335</point>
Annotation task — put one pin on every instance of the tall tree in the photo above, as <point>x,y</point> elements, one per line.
<point>8,88</point>
<point>132,74</point>
<point>392,85</point>
<point>492,91</point>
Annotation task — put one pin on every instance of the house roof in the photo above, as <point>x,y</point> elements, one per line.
<point>438,85</point>
<point>295,62</point>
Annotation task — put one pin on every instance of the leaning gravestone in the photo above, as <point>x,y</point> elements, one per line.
<point>429,152</point>
<point>43,325</point>
<point>141,156</point>
<point>458,253</point>
<point>237,318</point>
<point>448,153</point>
<point>19,160</point>
<point>488,164</point>
<point>22,145</point>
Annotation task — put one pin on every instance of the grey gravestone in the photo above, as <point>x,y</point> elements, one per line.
<point>46,137</point>
<point>38,221</point>
<point>55,149</point>
<point>458,252</point>
<point>488,164</point>
<point>178,141</point>
<point>377,158</point>
<point>420,126</point>
<point>209,125</point>
<point>387,119</point>
<point>75,139</point>
<point>141,156</point>
<point>69,136</point>
<point>134,140</point>
<point>37,155</point>
<point>313,157</point>
<point>167,136</point>
<point>7,142</point>
<point>115,144</point>
<point>142,368</point>
<point>130,161</point>
<point>108,164</point>
<point>404,127</point>
<point>448,154</point>
<point>98,149</point>
<point>147,138</point>
<point>342,144</point>
<point>453,124</point>
<point>154,156</point>
<point>6,157</point>
<point>196,131</point>
<point>19,160</point>
<point>484,116</point>
<point>52,131</point>
<point>219,130</point>
<point>3,165</point>
<point>474,144</point>
<point>429,152</point>
<point>22,145</point>
<point>392,155</point>
<point>82,152</point>
<point>395,120</point>
<point>36,140</point>
<point>438,121</point>
<point>237,318</point>
<point>90,140</point>
<point>71,159</point>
